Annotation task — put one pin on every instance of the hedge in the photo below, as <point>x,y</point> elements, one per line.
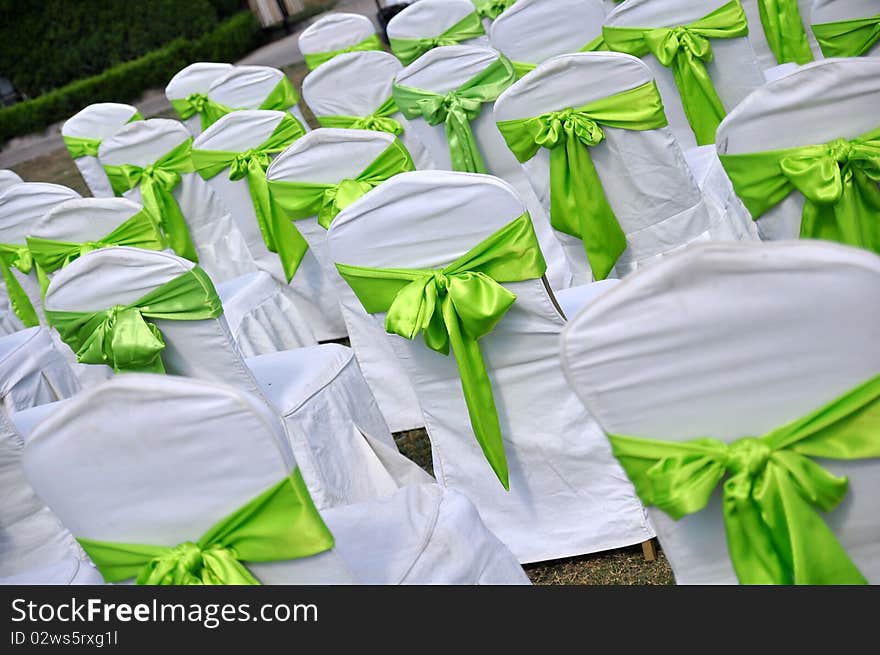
<point>230,41</point>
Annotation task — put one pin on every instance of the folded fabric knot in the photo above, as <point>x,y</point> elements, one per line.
<point>88,246</point>
<point>79,146</point>
<point>339,196</point>
<point>189,564</point>
<point>491,9</point>
<point>240,164</point>
<point>126,342</point>
<point>569,121</point>
<point>377,124</point>
<point>747,456</point>
<point>442,283</point>
<point>841,150</point>
<point>196,102</point>
<point>162,177</point>
<point>21,258</point>
<point>666,44</point>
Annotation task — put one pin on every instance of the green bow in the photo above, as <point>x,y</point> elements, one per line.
<point>773,532</point>
<point>457,109</point>
<point>848,38</point>
<point>281,98</point>
<point>492,9</point>
<point>685,48</point>
<point>13,255</point>
<point>838,179</point>
<point>156,183</point>
<point>80,146</point>
<point>199,103</point>
<point>315,59</point>
<point>379,121</point>
<point>578,205</point>
<point>279,235</point>
<point>522,68</point>
<point>784,29</point>
<point>280,524</point>
<point>121,337</point>
<point>457,305</point>
<point>408,50</point>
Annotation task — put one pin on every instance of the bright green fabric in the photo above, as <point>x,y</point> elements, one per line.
<point>784,29</point>
<point>280,524</point>
<point>578,205</point>
<point>774,534</point>
<point>492,9</point>
<point>13,255</point>
<point>379,121</point>
<point>685,48</point>
<point>315,59</point>
<point>848,38</point>
<point>198,103</point>
<point>838,179</point>
<point>278,233</point>
<point>121,337</point>
<point>457,305</point>
<point>408,50</point>
<point>457,109</point>
<point>80,146</point>
<point>156,182</point>
<point>522,68</point>
<point>281,98</point>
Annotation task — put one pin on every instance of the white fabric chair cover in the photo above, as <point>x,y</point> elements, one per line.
<point>334,31</point>
<point>730,351</point>
<point>8,178</point>
<point>97,121</point>
<point>195,78</point>
<point>830,11</point>
<point>734,67</point>
<point>567,494</point>
<point>329,156</point>
<point>308,290</point>
<point>246,87</point>
<point>335,428</point>
<point>356,84</point>
<point>429,18</point>
<point>444,69</point>
<point>766,58</point>
<point>819,102</point>
<point>644,174</point>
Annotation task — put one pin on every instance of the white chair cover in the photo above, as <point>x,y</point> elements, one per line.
<point>356,84</point>
<point>567,494</point>
<point>195,78</point>
<point>329,156</point>
<point>308,290</point>
<point>246,87</point>
<point>429,18</point>
<point>333,424</point>
<point>766,58</point>
<point>644,175</point>
<point>97,121</point>
<point>444,69</point>
<point>8,178</point>
<point>819,102</point>
<point>730,351</point>
<point>334,31</point>
<point>831,11</point>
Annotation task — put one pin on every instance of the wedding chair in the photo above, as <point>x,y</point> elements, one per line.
<point>188,94</point>
<point>847,28</point>
<point>8,178</point>
<point>800,152</point>
<point>367,102</point>
<point>726,378</point>
<point>779,32</point>
<point>428,24</point>
<point>153,311</point>
<point>505,428</point>
<point>183,437</point>
<point>593,138</point>
<point>255,87</point>
<point>699,53</point>
<point>448,96</point>
<point>334,34</point>
<point>310,182</point>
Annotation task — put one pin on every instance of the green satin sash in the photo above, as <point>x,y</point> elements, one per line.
<point>457,109</point>
<point>13,255</point>
<point>408,50</point>
<point>457,305</point>
<point>80,146</point>
<point>198,103</point>
<point>156,182</point>
<point>138,231</point>
<point>121,337</point>
<point>279,524</point>
<point>838,179</point>
<point>784,29</point>
<point>522,68</point>
<point>278,233</point>
<point>685,48</point>
<point>578,205</point>
<point>774,534</point>
<point>315,59</point>
<point>281,98</point>
<point>492,9</point>
<point>848,38</point>
<point>379,121</point>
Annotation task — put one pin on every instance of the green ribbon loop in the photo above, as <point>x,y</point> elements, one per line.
<point>774,534</point>
<point>157,181</point>
<point>522,68</point>
<point>379,121</point>
<point>18,256</point>
<point>685,49</point>
<point>315,59</point>
<point>457,109</point>
<point>456,306</point>
<point>838,179</point>
<point>784,29</point>
<point>848,38</point>
<point>578,205</point>
<point>80,146</point>
<point>121,337</point>
<point>492,9</point>
<point>279,524</point>
<point>199,103</point>
<point>408,50</point>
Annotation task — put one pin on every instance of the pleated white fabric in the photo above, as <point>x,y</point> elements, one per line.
<point>741,339</point>
<point>246,87</point>
<point>8,178</point>
<point>429,18</point>
<point>334,31</point>
<point>766,58</point>
<point>831,11</point>
<point>195,78</point>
